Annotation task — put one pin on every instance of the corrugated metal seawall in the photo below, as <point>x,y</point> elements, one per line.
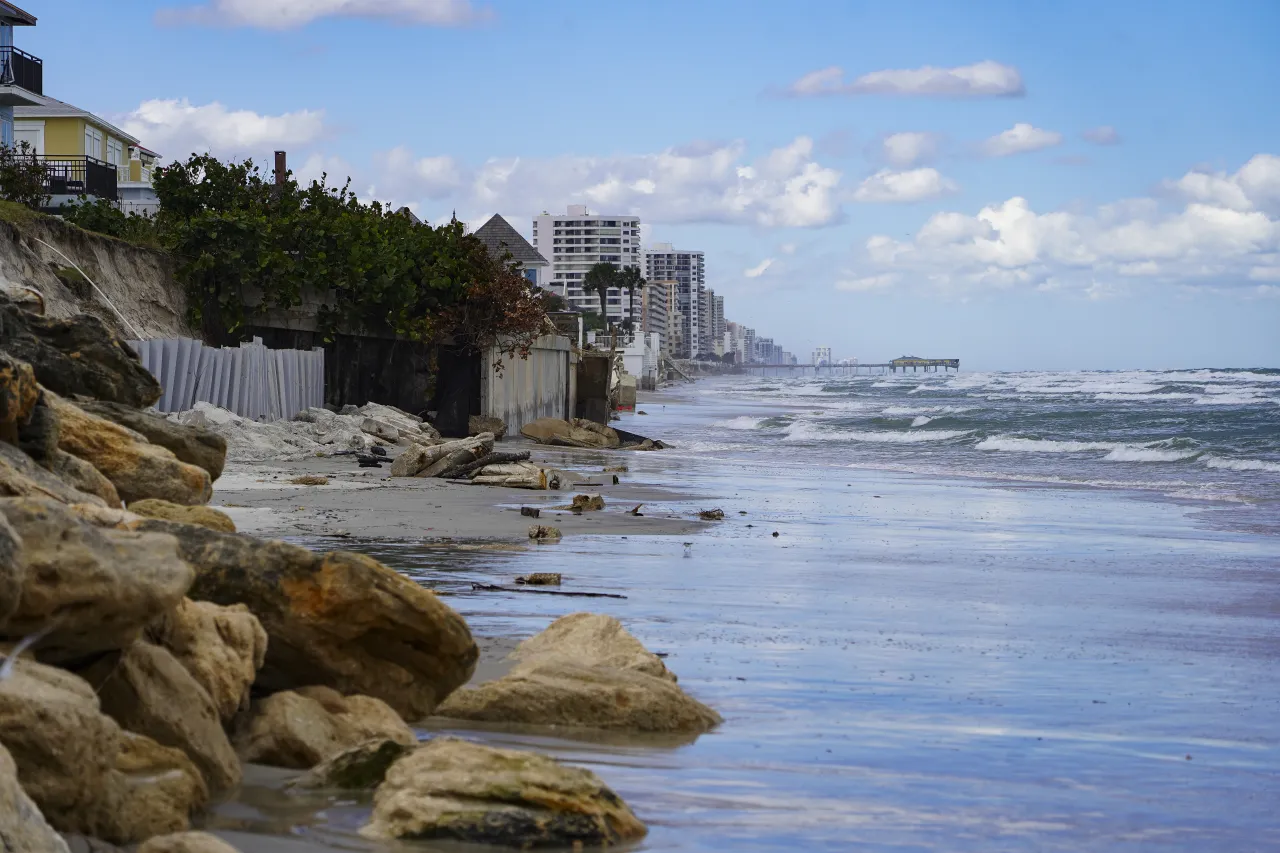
<point>539,386</point>
<point>250,380</point>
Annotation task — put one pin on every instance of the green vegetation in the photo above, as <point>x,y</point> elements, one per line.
<point>22,176</point>
<point>598,280</point>
<point>103,217</point>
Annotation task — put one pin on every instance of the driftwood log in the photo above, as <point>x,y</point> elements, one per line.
<point>459,471</point>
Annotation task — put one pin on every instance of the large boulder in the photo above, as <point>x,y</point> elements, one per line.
<point>301,728</point>
<point>38,437</point>
<point>477,424</point>
<point>186,842</point>
<point>340,619</point>
<point>146,690</point>
<point>222,647</point>
<point>585,671</point>
<point>136,467</point>
<point>194,445</point>
<point>83,477</point>
<point>358,768</point>
<point>18,395</point>
<point>23,828</point>
<point>20,477</point>
<point>77,356</point>
<point>83,772</point>
<point>454,790</point>
<point>91,589</point>
<point>204,516</point>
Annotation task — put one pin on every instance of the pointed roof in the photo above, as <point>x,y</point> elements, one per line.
<point>498,235</point>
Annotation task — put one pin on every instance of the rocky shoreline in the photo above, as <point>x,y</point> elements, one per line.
<point>150,651</point>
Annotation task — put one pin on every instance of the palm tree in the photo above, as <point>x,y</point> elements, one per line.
<point>599,279</point>
<point>631,279</point>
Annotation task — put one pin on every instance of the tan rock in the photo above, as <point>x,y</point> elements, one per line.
<point>302,728</point>
<point>222,647</point>
<point>204,516</point>
<point>578,433</point>
<point>23,828</point>
<point>585,671</point>
<point>592,639</point>
<point>137,468</point>
<point>187,842</point>
<point>194,445</point>
<point>146,690</point>
<point>340,619</point>
<point>155,790</point>
<point>379,429</point>
<point>101,516</point>
<point>82,476</point>
<point>64,747</point>
<point>12,572</point>
<point>20,477</point>
<point>92,589</point>
<point>358,768</point>
<point>455,790</point>
<point>19,392</point>
<point>477,424</point>
<point>419,457</point>
<point>27,298</point>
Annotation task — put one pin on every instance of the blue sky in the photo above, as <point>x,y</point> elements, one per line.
<point>880,177</point>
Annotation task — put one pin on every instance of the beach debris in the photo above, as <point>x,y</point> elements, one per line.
<point>310,480</point>
<point>742,512</point>
<point>635,510</point>
<point>711,515</point>
<point>634,441</point>
<point>477,424</point>
<point>641,412</point>
<point>585,670</point>
<point>370,461</point>
<point>587,503</point>
<point>358,768</point>
<point>616,480</point>
<point>776,534</point>
<point>544,533</point>
<point>380,429</point>
<point>531,511</point>
<point>618,469</point>
<point>579,432</point>
<point>513,475</point>
<point>456,789</point>
<point>540,579</point>
<point>422,460</point>
<point>378,450</point>
<point>553,482</point>
<point>489,587</point>
<point>470,468</point>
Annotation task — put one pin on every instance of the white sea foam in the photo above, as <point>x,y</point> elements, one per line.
<point>741,422</point>
<point>809,431</point>
<point>1221,397</point>
<point>1013,444</point>
<point>1138,398</point>
<point>1241,464</point>
<point>921,421</point>
<point>1148,454</point>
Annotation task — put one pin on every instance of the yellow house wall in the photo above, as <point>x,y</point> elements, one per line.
<point>63,136</point>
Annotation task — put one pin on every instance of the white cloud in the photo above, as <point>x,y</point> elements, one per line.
<point>787,248</point>
<point>1222,236</point>
<point>177,128</point>
<point>759,269</point>
<point>1020,138</point>
<point>913,185</point>
<point>981,79</point>
<point>867,283</point>
<point>1102,135</point>
<point>697,183</point>
<point>908,148</point>
<point>288,14</point>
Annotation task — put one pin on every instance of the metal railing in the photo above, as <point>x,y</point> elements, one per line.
<point>80,175</point>
<point>19,68</point>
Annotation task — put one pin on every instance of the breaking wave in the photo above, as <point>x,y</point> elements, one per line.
<point>1012,444</point>
<point>1149,454</point>
<point>1241,464</point>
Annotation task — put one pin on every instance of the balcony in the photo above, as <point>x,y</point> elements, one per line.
<point>21,70</point>
<point>75,176</point>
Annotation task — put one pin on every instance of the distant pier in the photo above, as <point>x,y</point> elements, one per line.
<point>906,363</point>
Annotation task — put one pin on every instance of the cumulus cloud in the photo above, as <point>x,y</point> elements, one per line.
<point>981,79</point>
<point>177,128</point>
<point>1221,234</point>
<point>289,14</point>
<point>1102,135</point>
<point>759,269</point>
<point>908,148</point>
<point>1019,139</point>
<point>704,182</point>
<point>912,185</point>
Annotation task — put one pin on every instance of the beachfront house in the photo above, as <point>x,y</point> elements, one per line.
<point>21,74</point>
<point>500,238</point>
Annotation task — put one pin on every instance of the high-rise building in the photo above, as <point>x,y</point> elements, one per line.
<point>576,241</point>
<point>653,312</point>
<point>717,325</point>
<point>688,270</point>
<point>822,355</point>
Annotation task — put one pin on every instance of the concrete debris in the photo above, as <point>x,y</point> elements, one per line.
<point>540,579</point>
<point>711,515</point>
<point>587,503</point>
<point>543,533</point>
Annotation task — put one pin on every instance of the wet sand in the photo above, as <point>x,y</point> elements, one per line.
<point>913,663</point>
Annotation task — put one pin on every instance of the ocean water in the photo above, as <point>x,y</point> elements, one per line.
<point>1025,630</point>
<point>1199,434</point>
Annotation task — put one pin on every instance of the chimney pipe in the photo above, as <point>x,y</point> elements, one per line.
<point>281,168</point>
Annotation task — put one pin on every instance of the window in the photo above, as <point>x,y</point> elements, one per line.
<point>92,142</point>
<point>115,152</point>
